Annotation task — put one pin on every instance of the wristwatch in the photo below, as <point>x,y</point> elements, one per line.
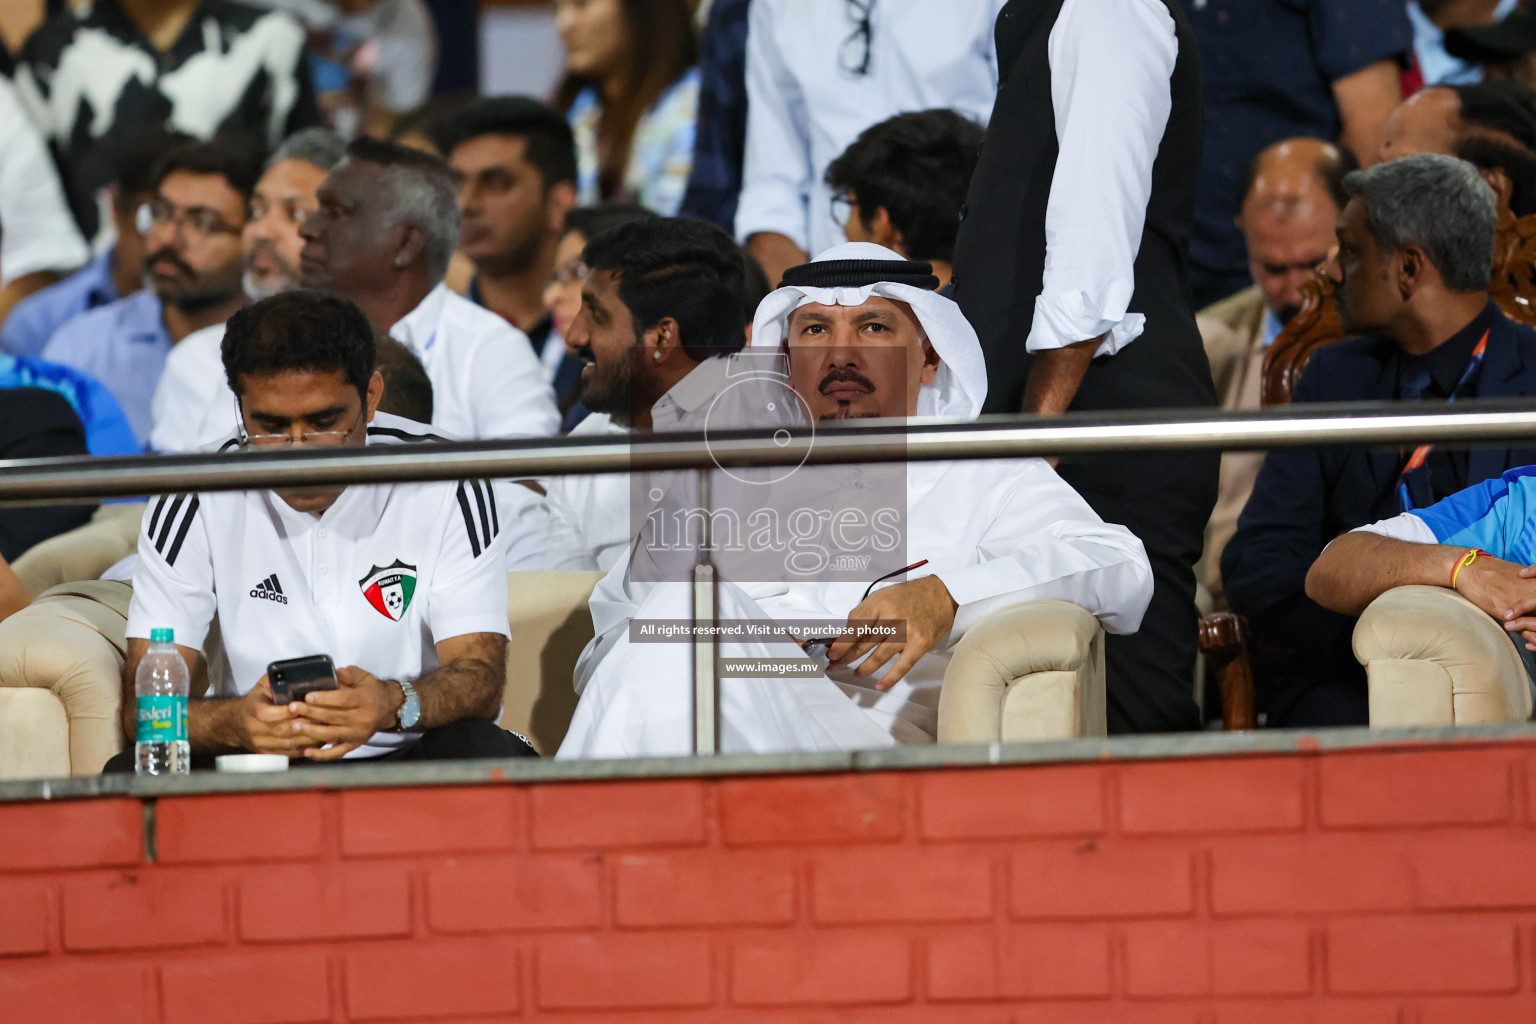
<point>410,712</point>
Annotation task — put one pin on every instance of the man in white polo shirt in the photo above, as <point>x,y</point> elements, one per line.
<point>402,585</point>
<point>387,223</point>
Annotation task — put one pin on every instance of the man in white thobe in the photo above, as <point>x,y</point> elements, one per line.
<point>994,533</point>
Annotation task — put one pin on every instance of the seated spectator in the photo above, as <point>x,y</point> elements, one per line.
<point>516,164</point>
<point>219,65</point>
<point>1411,280</point>
<point>818,74</point>
<point>192,240</point>
<point>631,94</point>
<point>37,423</point>
<point>1491,125</point>
<point>39,242</point>
<point>386,225</point>
<point>1291,202</point>
<point>562,293</point>
<point>1476,542</point>
<point>987,529</point>
<point>116,273</point>
<point>192,406</point>
<point>372,61</point>
<point>107,430</point>
<point>902,183</point>
<point>1431,120</point>
<point>402,585</point>
<point>1505,49</point>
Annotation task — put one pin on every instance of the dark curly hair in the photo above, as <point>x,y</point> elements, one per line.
<point>688,270</point>
<point>299,330</point>
<point>918,167</point>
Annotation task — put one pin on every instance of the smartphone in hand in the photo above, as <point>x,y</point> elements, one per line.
<point>292,679</point>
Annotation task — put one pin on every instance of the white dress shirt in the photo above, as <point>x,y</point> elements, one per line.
<point>193,406</point>
<point>487,382</point>
<point>589,524</point>
<point>804,108</point>
<point>1111,68</point>
<point>37,231</point>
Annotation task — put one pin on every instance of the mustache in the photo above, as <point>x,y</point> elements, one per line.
<point>269,248</point>
<point>170,255</point>
<point>845,375</point>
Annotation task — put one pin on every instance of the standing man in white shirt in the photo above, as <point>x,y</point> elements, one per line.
<point>386,224</point>
<point>403,586</point>
<point>193,405</point>
<point>1072,263</point>
<point>818,74</point>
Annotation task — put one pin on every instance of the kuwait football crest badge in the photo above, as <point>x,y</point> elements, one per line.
<point>390,589</point>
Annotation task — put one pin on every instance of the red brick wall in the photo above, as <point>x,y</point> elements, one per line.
<point>1391,886</point>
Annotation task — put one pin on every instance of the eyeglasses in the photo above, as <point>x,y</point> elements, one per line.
<point>316,438</point>
<point>842,209</point>
<point>573,272</point>
<point>853,55</point>
<point>199,222</point>
<point>817,647</point>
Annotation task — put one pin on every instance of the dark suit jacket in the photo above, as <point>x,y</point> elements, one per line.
<point>1304,498</point>
<point>35,423</point>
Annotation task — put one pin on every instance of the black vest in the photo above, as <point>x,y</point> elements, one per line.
<point>1000,253</point>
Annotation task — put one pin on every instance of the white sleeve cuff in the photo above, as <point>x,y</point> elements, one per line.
<point>1067,318</point>
<point>1407,526</point>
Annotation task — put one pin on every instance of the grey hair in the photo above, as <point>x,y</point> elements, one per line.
<point>1438,203</point>
<point>427,197</point>
<point>317,146</point>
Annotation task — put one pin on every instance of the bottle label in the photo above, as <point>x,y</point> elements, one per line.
<point>162,720</point>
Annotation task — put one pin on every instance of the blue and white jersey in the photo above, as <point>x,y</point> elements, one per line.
<point>1497,515</point>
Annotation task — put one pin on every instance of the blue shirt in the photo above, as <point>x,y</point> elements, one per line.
<point>107,431</point>
<point>1497,515</point>
<point>715,181</point>
<point>34,319</point>
<point>124,346</point>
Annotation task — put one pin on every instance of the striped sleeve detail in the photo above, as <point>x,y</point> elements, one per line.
<point>169,522</point>
<point>477,504</point>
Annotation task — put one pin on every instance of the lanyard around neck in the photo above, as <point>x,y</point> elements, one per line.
<point>1421,453</point>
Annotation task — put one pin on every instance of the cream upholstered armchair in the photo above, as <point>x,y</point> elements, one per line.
<point>1432,657</point>
<point>1035,671</point>
<point>1030,672</point>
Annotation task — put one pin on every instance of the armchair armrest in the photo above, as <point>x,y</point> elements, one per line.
<point>1432,657</point>
<point>1031,672</point>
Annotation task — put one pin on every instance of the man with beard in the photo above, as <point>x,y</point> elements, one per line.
<point>1411,278</point>
<point>516,163</point>
<point>193,405</point>
<point>650,284</point>
<point>386,224</point>
<point>192,276</point>
<point>861,333</point>
<point>1291,202</point>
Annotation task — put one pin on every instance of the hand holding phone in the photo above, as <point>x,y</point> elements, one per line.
<point>292,679</point>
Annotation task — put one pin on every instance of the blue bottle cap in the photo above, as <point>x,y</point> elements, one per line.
<point>162,636</point>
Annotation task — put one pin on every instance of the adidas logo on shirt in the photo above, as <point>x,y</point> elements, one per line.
<point>269,590</point>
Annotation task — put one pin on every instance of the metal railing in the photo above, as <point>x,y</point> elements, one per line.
<point>51,481</point>
<point>40,481</point>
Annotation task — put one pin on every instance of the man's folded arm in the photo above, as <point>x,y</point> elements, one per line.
<point>1048,544</point>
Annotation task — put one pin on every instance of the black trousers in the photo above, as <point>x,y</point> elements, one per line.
<point>1166,500</point>
<point>457,741</point>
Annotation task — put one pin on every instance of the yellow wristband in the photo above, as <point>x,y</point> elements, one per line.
<point>1465,560</point>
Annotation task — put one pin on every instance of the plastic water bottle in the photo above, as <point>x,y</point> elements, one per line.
<point>161,686</point>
